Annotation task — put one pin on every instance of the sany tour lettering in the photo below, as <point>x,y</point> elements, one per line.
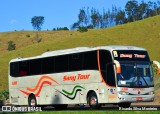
<point>78,77</point>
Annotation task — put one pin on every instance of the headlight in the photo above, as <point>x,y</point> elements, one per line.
<point>123,93</point>
<point>151,93</point>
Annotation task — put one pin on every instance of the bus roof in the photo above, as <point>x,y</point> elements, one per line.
<point>80,49</point>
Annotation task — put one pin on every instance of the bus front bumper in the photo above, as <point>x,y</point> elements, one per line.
<point>136,98</point>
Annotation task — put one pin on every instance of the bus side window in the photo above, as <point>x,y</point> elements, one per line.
<point>14,69</point>
<point>22,73</point>
<point>75,62</point>
<point>23,68</point>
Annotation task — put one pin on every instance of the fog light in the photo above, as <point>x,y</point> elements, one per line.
<point>123,93</point>
<point>151,93</point>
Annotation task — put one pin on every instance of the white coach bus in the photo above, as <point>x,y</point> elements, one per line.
<point>85,75</point>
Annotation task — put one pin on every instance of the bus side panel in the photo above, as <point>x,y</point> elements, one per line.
<point>23,99</point>
<point>103,93</point>
<point>44,94</point>
<point>13,96</point>
<point>57,97</point>
<point>107,94</point>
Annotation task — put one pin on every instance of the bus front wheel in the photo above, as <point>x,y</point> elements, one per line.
<point>93,101</point>
<point>32,101</point>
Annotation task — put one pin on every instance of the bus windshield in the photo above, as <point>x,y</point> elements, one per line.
<point>135,74</point>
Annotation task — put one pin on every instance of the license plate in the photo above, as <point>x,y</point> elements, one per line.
<point>139,98</point>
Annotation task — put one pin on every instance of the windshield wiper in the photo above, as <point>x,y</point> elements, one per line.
<point>132,81</point>
<point>145,81</point>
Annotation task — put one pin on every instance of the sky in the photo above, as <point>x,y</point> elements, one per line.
<point>17,14</point>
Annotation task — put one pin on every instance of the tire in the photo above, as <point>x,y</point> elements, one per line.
<point>124,105</point>
<point>93,101</point>
<point>32,102</point>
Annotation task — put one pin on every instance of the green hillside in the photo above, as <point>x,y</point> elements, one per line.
<point>144,33</point>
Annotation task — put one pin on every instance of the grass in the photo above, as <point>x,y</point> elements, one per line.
<point>144,33</point>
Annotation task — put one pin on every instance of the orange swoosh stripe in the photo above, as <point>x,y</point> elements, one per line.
<point>24,92</point>
<point>40,80</point>
<point>45,82</point>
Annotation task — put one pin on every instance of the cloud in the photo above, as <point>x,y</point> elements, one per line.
<point>13,21</point>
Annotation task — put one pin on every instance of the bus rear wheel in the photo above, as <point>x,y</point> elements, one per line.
<point>93,101</point>
<point>32,102</point>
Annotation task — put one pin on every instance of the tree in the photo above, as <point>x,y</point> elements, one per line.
<point>104,20</point>
<point>149,9</point>
<point>82,16</point>
<point>131,9</point>
<point>120,17</point>
<point>82,29</point>
<point>142,10</point>
<point>94,18</point>
<point>75,25</point>
<point>37,22</point>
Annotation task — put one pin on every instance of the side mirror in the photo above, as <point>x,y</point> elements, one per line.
<point>158,65</point>
<point>118,67</point>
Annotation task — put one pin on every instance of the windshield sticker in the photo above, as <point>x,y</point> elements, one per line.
<point>115,54</point>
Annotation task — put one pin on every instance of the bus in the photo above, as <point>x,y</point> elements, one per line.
<point>93,76</point>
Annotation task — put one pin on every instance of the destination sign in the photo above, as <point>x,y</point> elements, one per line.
<point>130,55</point>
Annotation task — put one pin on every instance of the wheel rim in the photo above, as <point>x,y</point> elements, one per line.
<point>93,101</point>
<point>33,102</point>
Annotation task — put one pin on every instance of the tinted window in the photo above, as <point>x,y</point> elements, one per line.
<point>23,68</point>
<point>57,64</point>
<point>14,69</point>
<point>107,68</point>
<point>90,60</point>
<point>35,67</point>
<point>48,65</point>
<point>61,63</point>
<point>75,62</point>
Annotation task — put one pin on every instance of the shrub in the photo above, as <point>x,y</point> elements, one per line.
<point>11,46</point>
<point>28,35</point>
<point>82,29</point>
<point>155,70</point>
<point>4,95</point>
